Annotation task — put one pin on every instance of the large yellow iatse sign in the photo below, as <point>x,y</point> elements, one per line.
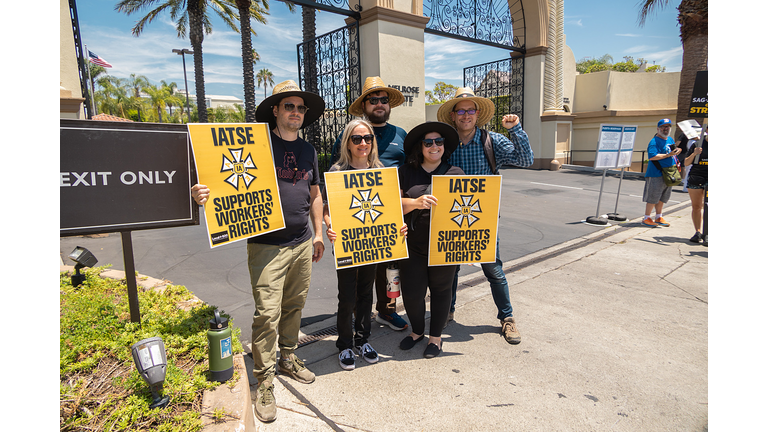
<point>464,224</point>
<point>235,162</point>
<point>366,215</point>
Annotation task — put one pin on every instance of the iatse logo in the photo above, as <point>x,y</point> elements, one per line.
<point>466,210</point>
<point>366,205</point>
<point>238,167</point>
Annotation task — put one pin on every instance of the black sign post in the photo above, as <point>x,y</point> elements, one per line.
<point>121,177</point>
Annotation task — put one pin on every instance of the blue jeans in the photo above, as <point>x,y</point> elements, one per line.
<point>499,286</point>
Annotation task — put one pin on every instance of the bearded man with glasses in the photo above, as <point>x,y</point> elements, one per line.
<point>481,153</point>
<point>280,262</point>
<point>375,104</point>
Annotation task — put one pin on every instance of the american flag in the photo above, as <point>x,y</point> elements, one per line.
<point>93,58</point>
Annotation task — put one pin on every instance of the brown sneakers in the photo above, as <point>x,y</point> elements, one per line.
<point>265,407</point>
<point>509,331</point>
<point>292,366</point>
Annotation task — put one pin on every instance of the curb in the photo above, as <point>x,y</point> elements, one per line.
<point>234,402</point>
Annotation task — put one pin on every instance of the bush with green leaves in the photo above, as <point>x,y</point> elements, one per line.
<point>100,388</point>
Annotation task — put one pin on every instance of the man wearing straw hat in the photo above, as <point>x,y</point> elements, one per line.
<point>280,262</point>
<point>481,153</point>
<point>375,104</point>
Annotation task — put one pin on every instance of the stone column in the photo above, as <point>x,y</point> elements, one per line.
<point>556,125</point>
<point>392,47</point>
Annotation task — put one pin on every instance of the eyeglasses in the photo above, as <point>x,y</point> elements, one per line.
<point>358,139</point>
<point>470,112</point>
<point>375,100</point>
<point>290,107</point>
<point>436,141</point>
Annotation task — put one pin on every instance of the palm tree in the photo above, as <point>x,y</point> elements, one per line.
<point>250,9</point>
<point>265,77</point>
<point>112,97</point>
<point>693,19</point>
<point>189,15</point>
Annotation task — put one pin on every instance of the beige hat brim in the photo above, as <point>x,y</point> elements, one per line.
<point>395,99</point>
<point>486,107</point>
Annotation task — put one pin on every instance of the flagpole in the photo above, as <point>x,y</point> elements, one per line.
<point>90,81</point>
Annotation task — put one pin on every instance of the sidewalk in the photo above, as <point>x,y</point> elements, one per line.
<point>614,338</point>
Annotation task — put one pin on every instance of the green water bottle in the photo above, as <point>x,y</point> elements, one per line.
<point>220,358</point>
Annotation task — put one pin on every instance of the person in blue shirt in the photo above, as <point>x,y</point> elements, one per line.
<point>375,104</point>
<point>468,113</point>
<point>656,193</point>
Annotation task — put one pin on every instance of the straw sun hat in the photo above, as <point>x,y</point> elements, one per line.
<point>286,89</point>
<point>375,84</point>
<point>416,134</point>
<point>486,107</point>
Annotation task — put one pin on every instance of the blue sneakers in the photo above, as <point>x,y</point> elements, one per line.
<point>393,320</point>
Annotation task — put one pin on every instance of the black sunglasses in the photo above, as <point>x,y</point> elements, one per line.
<point>436,141</point>
<point>470,112</point>
<point>375,100</point>
<point>290,107</point>
<point>358,139</point>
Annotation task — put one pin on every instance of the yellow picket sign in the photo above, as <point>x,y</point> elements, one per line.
<point>235,162</point>
<point>367,215</point>
<point>463,226</point>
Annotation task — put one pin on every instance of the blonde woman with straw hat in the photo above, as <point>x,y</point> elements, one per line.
<point>375,104</point>
<point>482,153</point>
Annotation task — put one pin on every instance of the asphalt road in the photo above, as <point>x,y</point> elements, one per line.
<point>539,209</point>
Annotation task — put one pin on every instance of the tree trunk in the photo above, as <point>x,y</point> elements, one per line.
<point>693,19</point>
<point>309,71</point>
<point>310,64</point>
<point>196,40</point>
<point>248,85</point>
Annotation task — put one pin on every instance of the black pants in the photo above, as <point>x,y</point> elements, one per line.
<point>415,277</point>
<point>355,296</point>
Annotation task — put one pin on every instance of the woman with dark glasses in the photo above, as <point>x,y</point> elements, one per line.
<point>427,148</point>
<point>355,284</point>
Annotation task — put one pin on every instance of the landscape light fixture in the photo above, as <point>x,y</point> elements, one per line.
<point>84,258</point>
<point>149,357</point>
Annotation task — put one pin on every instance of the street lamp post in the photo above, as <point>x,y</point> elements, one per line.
<point>181,52</point>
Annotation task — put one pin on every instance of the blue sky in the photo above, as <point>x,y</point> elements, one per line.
<point>593,28</point>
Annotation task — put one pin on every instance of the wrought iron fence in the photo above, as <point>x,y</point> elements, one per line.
<point>329,65</point>
<point>350,8</point>
<point>502,82</point>
<point>500,23</point>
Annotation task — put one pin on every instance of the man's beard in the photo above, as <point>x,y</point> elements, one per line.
<point>377,118</point>
<point>663,134</point>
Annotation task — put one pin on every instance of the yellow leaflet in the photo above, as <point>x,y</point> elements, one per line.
<point>235,162</point>
<point>465,221</point>
<point>366,215</point>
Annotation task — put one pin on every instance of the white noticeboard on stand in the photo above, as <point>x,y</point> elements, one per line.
<point>627,146</point>
<point>608,145</point>
<point>614,148</point>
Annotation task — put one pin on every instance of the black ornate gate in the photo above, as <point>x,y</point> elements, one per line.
<point>330,64</point>
<point>499,23</point>
<point>502,82</point>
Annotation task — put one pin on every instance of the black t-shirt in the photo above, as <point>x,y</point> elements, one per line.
<point>699,169</point>
<point>414,182</point>
<point>296,169</point>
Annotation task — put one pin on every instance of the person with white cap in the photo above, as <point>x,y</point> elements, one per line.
<point>656,193</point>
<point>280,262</point>
<point>375,104</point>
<point>482,152</point>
